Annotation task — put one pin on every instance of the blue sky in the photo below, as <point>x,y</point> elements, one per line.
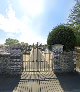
<point>32,20</point>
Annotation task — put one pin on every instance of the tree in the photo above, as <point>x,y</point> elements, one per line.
<point>24,45</point>
<point>10,41</point>
<point>74,21</point>
<point>74,17</point>
<point>77,35</point>
<point>64,35</point>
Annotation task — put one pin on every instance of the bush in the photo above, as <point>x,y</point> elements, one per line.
<point>64,35</point>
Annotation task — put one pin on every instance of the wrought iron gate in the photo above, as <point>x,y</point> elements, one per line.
<point>37,58</point>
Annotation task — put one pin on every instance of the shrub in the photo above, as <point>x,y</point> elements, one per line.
<point>64,35</point>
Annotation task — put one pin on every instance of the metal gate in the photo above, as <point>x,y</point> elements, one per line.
<point>37,58</point>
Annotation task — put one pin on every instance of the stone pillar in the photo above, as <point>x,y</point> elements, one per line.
<point>57,50</point>
<point>63,61</point>
<point>16,57</point>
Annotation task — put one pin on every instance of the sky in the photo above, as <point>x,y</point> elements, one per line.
<point>31,21</point>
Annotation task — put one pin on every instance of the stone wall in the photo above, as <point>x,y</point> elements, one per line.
<point>15,59</point>
<point>11,59</point>
<point>4,63</point>
<point>64,62</point>
<point>78,59</point>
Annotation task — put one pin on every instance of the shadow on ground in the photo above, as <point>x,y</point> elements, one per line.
<point>8,83</point>
<point>69,81</point>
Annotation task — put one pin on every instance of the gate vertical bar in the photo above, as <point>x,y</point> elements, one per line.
<point>40,60</point>
<point>33,64</point>
<point>29,60</point>
<point>37,56</point>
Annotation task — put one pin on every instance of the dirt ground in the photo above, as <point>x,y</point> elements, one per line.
<point>40,82</point>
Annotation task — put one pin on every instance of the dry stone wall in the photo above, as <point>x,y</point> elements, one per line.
<point>11,60</point>
<point>15,59</point>
<point>4,63</point>
<point>78,59</point>
<point>64,62</point>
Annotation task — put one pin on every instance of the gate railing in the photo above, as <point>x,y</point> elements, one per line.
<point>36,66</point>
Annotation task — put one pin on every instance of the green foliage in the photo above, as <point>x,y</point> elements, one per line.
<point>74,21</point>
<point>64,35</point>
<point>24,45</point>
<point>77,34</point>
<point>74,17</point>
<point>10,41</point>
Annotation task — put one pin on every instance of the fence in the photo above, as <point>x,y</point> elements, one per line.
<point>37,58</point>
<point>32,58</point>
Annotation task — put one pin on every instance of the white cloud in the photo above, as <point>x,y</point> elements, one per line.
<point>32,7</point>
<point>11,24</point>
